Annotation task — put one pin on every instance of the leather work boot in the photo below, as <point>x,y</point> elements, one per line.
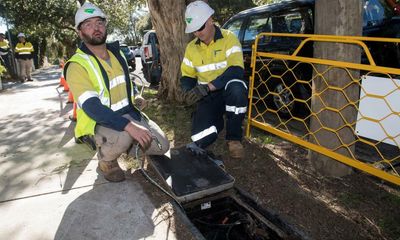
<point>111,171</point>
<point>236,149</point>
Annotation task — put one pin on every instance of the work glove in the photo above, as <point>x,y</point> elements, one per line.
<point>196,94</point>
<point>196,150</point>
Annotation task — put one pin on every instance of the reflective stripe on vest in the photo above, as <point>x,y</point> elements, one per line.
<point>105,100</point>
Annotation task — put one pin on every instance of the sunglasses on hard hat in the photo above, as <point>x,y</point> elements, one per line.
<point>201,28</point>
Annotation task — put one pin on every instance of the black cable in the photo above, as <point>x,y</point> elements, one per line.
<point>238,222</point>
<point>151,180</point>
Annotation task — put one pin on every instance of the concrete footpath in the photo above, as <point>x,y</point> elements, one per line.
<point>49,187</point>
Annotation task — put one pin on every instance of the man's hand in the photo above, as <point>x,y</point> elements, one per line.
<point>195,94</point>
<point>140,102</point>
<point>141,134</point>
<point>211,87</point>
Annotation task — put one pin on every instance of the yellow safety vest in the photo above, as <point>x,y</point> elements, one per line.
<point>84,124</point>
<point>4,47</point>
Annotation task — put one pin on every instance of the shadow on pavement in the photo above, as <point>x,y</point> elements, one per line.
<point>113,211</point>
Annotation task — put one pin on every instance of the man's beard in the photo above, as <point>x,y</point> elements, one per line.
<point>94,40</point>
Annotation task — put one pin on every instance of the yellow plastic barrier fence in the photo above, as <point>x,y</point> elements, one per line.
<point>291,96</point>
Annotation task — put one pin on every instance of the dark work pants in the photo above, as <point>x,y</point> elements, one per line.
<point>208,119</point>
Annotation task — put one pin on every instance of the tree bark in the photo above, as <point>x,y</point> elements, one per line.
<point>168,21</point>
<point>42,51</point>
<point>335,17</point>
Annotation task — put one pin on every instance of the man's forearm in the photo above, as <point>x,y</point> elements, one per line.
<point>233,72</point>
<point>104,115</point>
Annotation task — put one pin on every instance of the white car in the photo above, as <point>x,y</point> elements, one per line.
<point>150,55</point>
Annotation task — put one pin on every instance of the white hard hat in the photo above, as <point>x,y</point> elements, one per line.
<point>21,35</point>
<point>196,15</point>
<point>88,10</point>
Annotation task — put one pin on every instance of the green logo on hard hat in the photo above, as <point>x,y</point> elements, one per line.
<point>89,10</point>
<point>189,20</point>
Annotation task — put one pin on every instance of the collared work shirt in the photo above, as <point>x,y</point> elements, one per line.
<point>206,62</point>
<point>24,50</point>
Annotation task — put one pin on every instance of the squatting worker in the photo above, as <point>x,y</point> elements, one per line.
<point>24,54</point>
<point>98,77</point>
<point>212,77</point>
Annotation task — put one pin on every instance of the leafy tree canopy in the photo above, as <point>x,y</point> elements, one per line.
<point>56,17</point>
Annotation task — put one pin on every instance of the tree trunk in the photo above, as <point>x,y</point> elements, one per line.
<point>335,17</point>
<point>168,21</point>
<point>42,51</point>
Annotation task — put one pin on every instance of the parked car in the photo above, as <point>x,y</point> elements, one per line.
<point>150,55</point>
<point>136,51</point>
<point>297,16</point>
<point>130,57</point>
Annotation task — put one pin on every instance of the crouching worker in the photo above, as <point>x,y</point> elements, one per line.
<point>98,77</point>
<point>212,77</point>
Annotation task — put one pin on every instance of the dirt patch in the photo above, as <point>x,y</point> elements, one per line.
<point>279,177</point>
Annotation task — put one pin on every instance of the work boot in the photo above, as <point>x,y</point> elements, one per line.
<point>236,149</point>
<point>111,171</point>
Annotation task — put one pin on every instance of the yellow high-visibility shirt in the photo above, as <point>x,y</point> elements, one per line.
<point>207,62</point>
<point>24,50</point>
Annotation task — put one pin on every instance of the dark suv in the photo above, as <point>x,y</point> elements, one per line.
<point>297,16</point>
<point>130,57</point>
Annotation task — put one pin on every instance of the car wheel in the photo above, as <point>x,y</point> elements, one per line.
<point>281,98</point>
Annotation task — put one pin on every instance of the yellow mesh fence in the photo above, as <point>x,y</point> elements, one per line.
<point>298,98</point>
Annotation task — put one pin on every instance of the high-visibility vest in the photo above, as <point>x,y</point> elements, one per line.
<point>84,124</point>
<point>4,47</point>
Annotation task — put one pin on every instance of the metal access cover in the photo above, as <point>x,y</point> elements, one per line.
<point>191,177</point>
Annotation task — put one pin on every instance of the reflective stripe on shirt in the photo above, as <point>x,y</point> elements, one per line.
<point>24,49</point>
<point>187,62</point>
<point>211,67</point>
<point>233,49</point>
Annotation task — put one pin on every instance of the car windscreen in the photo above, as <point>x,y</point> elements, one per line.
<point>375,12</point>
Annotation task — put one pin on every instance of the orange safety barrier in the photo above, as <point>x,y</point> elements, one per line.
<point>63,83</point>
<point>61,63</point>
<point>73,117</point>
<point>62,80</point>
<point>66,87</point>
<point>70,97</point>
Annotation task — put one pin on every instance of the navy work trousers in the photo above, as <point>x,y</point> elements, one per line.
<point>208,119</point>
